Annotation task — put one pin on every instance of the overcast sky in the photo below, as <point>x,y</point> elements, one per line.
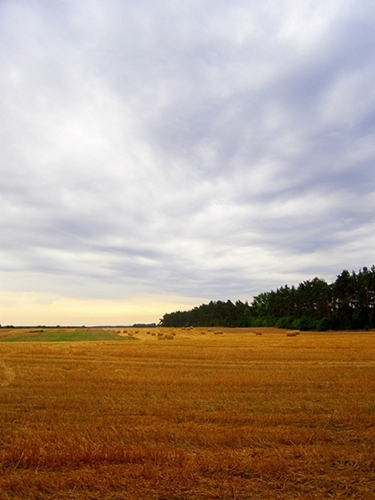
<point>158,155</point>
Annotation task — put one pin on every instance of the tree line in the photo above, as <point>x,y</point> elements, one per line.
<point>347,303</point>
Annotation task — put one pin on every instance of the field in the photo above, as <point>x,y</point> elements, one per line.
<point>87,415</point>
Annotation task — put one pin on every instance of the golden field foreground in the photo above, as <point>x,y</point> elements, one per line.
<point>231,416</point>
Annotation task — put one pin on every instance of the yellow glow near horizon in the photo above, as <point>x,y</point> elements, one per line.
<point>31,308</point>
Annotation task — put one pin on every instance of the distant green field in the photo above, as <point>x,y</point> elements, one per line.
<point>59,335</point>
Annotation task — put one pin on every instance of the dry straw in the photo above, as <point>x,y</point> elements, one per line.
<point>232,419</point>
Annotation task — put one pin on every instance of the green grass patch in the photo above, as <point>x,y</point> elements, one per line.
<point>62,335</point>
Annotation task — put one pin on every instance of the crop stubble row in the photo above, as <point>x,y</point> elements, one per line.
<point>233,416</point>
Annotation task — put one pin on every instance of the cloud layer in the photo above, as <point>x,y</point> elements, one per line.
<point>199,150</point>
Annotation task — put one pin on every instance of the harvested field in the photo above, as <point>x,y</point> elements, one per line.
<point>233,416</point>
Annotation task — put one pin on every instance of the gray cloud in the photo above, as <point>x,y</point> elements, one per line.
<point>203,149</point>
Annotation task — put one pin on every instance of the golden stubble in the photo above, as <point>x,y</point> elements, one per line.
<point>236,415</point>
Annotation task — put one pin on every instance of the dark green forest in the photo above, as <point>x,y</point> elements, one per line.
<point>346,304</point>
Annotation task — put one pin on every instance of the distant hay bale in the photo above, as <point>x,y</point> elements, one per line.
<point>169,336</point>
<point>153,334</point>
<point>292,333</point>
<point>203,333</point>
<point>258,333</point>
<point>218,332</point>
<point>125,331</point>
<point>161,337</point>
<point>130,334</point>
<point>148,332</point>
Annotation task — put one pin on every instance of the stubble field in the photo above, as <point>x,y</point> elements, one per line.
<point>230,416</point>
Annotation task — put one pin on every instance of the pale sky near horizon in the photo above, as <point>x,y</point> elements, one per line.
<point>158,155</point>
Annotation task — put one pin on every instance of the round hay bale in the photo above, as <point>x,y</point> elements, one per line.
<point>292,333</point>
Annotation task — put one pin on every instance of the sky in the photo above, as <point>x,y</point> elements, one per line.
<point>155,156</point>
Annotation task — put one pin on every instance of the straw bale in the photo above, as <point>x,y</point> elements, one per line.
<point>292,333</point>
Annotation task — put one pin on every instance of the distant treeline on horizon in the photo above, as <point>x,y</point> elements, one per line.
<point>347,303</point>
